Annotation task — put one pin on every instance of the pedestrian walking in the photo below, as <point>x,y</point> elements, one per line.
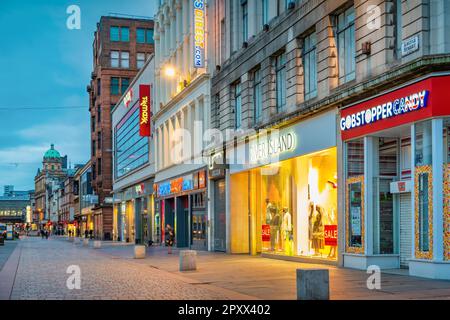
<point>170,238</point>
<point>46,234</point>
<point>86,233</point>
<point>91,232</point>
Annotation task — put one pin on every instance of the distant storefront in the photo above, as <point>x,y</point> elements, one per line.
<point>182,203</point>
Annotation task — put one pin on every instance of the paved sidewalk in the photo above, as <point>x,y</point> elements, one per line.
<point>6,250</point>
<point>276,279</point>
<point>42,274</point>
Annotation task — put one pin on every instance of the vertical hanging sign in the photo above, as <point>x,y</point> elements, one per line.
<point>145,109</point>
<point>199,33</point>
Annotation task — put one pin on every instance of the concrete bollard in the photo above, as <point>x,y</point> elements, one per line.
<point>188,260</point>
<point>85,242</point>
<point>139,252</point>
<point>313,284</point>
<point>97,244</point>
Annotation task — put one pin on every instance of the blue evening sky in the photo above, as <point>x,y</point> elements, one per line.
<point>44,64</point>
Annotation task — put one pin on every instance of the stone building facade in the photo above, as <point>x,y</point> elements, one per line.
<point>292,66</point>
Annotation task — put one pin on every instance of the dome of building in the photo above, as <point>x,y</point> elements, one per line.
<point>52,153</point>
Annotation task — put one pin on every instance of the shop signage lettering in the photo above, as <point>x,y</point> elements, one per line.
<point>176,185</point>
<point>202,179</point>
<point>144,112</point>
<point>272,147</point>
<point>265,232</point>
<point>164,189</point>
<point>128,97</point>
<point>386,110</point>
<point>188,183</point>
<point>199,33</point>
<point>330,235</point>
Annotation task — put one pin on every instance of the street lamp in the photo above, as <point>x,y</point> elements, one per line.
<point>169,71</point>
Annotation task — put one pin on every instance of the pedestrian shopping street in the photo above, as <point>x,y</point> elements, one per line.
<point>38,268</point>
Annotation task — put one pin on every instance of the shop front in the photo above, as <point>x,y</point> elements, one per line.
<point>182,203</point>
<point>396,160</point>
<point>133,214</point>
<point>283,196</point>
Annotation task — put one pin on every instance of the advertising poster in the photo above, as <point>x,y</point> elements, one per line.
<point>356,221</point>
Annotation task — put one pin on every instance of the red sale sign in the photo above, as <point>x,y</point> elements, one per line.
<point>145,109</point>
<point>330,235</point>
<point>265,232</point>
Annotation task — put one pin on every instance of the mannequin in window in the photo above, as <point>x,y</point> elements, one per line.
<point>275,235</point>
<point>318,235</point>
<point>311,225</point>
<point>287,232</point>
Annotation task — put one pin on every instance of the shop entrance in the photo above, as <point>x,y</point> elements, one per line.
<point>392,205</point>
<point>182,222</point>
<point>219,216</point>
<point>199,222</point>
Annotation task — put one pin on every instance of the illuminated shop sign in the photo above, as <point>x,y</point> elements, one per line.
<point>386,110</point>
<point>271,146</point>
<point>164,189</point>
<point>128,97</point>
<point>199,33</point>
<point>144,111</point>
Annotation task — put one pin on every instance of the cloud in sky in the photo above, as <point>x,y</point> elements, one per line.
<point>47,65</point>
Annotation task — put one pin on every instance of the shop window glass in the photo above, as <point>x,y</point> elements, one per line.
<point>296,206</point>
<point>423,155</point>
<point>423,212</point>
<point>355,207</point>
<point>355,158</point>
<point>384,205</point>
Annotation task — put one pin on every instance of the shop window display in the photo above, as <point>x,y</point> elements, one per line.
<point>423,190</point>
<point>446,189</point>
<point>355,196</point>
<point>298,201</point>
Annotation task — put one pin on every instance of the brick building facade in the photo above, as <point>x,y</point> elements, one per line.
<point>120,48</point>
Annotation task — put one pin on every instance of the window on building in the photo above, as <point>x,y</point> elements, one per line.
<point>92,123</point>
<point>280,74</point>
<point>99,166</point>
<point>237,105</point>
<point>114,34</point>
<point>244,8</point>
<point>99,86</point>
<point>257,95</point>
<point>310,65</point>
<point>398,27</point>
<point>346,45</point>
<point>355,193</point>
<point>125,85</point>
<point>265,11</point>
<point>115,59</point>
<point>124,59</point>
<point>99,140</point>
<point>423,177</point>
<point>140,60</point>
<point>99,114</point>
<point>119,34</point>
<point>144,36</point>
<point>94,148</point>
<point>125,34</point>
<point>115,86</point>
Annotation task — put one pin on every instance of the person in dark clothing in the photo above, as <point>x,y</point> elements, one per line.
<point>170,238</point>
<point>91,232</point>
<point>86,233</point>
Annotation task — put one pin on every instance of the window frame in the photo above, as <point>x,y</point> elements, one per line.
<point>310,65</point>
<point>280,81</point>
<point>347,29</point>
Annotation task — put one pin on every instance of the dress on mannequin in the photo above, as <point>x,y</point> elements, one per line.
<point>318,236</point>
<point>287,231</point>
